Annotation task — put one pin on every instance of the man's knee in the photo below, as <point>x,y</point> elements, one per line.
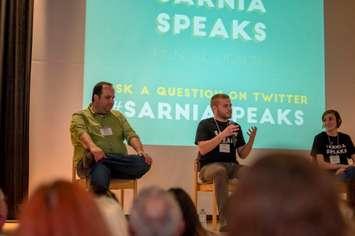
<point>220,172</point>
<point>142,167</point>
<point>211,171</point>
<point>138,166</point>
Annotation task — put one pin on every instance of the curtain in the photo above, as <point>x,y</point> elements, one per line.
<point>16,17</point>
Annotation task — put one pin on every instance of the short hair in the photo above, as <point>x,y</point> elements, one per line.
<point>97,90</point>
<point>217,96</point>
<point>61,208</point>
<point>155,213</point>
<point>335,113</point>
<point>283,194</point>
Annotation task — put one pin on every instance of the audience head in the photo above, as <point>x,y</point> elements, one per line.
<point>3,209</point>
<point>61,209</point>
<point>191,220</point>
<point>285,195</point>
<point>155,213</point>
<point>113,215</point>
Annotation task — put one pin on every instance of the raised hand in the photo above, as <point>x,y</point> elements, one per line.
<point>252,132</point>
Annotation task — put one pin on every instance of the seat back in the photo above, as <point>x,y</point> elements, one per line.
<point>115,184</point>
<point>76,178</point>
<point>204,187</point>
<point>197,162</point>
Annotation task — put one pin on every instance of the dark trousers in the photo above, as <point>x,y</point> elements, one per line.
<point>115,166</point>
<point>348,175</point>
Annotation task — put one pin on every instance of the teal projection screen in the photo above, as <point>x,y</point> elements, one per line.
<point>166,58</point>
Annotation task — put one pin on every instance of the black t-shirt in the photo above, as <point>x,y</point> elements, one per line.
<point>208,129</point>
<point>340,145</point>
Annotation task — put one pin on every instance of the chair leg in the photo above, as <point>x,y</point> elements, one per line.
<point>214,210</point>
<point>122,198</point>
<point>135,189</point>
<point>194,196</point>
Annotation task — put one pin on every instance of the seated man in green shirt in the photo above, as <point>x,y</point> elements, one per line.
<point>98,134</point>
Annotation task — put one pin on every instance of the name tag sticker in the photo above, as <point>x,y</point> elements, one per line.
<point>223,147</point>
<point>106,131</point>
<point>334,159</point>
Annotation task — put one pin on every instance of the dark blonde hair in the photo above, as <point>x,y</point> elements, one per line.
<point>285,195</point>
<point>215,98</point>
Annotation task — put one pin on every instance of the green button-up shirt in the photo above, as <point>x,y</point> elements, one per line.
<point>95,125</point>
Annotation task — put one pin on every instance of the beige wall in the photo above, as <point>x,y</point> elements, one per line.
<point>57,69</point>
<point>56,91</point>
<point>340,60</point>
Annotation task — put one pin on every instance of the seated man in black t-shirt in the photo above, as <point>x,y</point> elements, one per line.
<point>218,140</point>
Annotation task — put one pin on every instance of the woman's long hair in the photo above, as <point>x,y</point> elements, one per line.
<point>192,222</point>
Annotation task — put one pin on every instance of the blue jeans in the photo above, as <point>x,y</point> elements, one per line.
<point>348,175</point>
<point>116,166</point>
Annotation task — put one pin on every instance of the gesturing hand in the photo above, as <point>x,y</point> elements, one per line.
<point>252,132</point>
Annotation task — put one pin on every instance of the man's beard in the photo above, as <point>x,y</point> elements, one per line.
<point>225,116</point>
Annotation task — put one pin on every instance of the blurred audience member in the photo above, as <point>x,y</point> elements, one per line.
<point>61,209</point>
<point>114,216</point>
<point>3,210</point>
<point>286,195</point>
<point>192,222</point>
<point>155,213</point>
